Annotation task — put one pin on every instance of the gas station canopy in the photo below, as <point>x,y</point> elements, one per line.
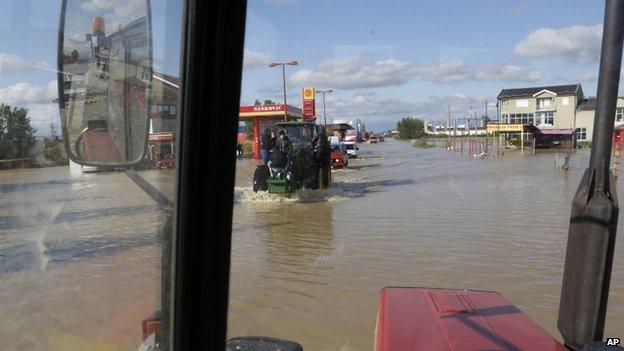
<point>247,113</point>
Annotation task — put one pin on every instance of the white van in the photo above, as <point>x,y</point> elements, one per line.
<point>352,149</point>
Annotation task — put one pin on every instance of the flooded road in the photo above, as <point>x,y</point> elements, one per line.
<point>80,253</point>
<point>80,258</point>
<point>310,268</point>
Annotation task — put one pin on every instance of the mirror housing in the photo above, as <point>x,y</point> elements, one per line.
<point>104,82</point>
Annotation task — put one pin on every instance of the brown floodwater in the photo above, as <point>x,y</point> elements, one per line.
<point>310,268</point>
<point>80,252</point>
<point>80,259</point>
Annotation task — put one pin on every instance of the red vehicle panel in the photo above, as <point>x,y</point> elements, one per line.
<point>168,161</point>
<point>415,319</point>
<point>337,159</point>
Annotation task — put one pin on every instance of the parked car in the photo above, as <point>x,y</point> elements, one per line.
<point>338,155</point>
<point>373,139</point>
<point>352,149</point>
<point>168,161</point>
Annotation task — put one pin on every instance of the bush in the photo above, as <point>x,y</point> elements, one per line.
<point>421,143</point>
<point>584,144</point>
<point>53,151</point>
<point>410,128</point>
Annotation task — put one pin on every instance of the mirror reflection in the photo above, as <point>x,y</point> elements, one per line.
<point>105,65</point>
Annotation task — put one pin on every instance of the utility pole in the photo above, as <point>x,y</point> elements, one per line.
<point>322,92</point>
<point>283,64</point>
<point>448,118</point>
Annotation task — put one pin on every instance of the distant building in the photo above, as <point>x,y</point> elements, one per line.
<point>163,116</point>
<point>585,117</point>
<point>552,109</point>
<point>164,107</point>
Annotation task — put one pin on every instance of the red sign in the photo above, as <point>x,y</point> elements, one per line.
<point>308,105</point>
<point>261,108</point>
<point>309,110</point>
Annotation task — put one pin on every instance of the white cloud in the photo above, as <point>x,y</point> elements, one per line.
<point>131,8</point>
<point>23,93</point>
<point>37,99</point>
<point>120,8</point>
<point>574,43</point>
<point>96,5</point>
<point>118,13</point>
<point>10,63</point>
<point>358,72</point>
<point>508,73</point>
<point>444,71</point>
<point>254,59</point>
<point>433,108</point>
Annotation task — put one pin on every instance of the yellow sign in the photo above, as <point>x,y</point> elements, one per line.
<point>307,93</point>
<point>505,127</point>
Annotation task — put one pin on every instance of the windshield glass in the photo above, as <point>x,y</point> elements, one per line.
<point>81,263</point>
<point>473,122</point>
<point>300,135</point>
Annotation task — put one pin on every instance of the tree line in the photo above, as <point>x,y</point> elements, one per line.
<point>17,136</point>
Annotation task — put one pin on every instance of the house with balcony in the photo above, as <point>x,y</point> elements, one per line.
<point>548,107</point>
<point>546,114</point>
<point>554,110</point>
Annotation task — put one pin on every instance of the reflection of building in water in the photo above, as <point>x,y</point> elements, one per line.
<point>163,116</point>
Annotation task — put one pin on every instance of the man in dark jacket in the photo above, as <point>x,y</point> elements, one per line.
<point>285,145</point>
<point>266,146</point>
<point>321,145</point>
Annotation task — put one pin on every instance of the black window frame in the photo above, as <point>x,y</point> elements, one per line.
<point>212,60</point>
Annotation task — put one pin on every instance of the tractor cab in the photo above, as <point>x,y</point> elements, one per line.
<point>302,170</point>
<point>300,133</point>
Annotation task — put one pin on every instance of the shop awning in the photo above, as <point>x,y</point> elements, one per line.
<point>161,137</point>
<point>510,127</point>
<point>268,111</point>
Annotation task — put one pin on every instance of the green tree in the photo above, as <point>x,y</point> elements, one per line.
<point>18,137</point>
<point>410,128</point>
<point>257,102</point>
<point>269,102</point>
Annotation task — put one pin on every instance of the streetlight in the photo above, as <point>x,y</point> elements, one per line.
<point>323,93</point>
<point>283,64</point>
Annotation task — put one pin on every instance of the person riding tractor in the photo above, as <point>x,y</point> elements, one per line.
<point>306,154</point>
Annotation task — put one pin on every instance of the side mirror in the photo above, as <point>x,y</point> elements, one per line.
<point>104,81</point>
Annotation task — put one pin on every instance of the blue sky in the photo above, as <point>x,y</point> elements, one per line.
<point>389,59</point>
<point>384,59</point>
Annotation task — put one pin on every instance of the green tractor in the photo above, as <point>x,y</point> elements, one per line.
<point>302,169</point>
